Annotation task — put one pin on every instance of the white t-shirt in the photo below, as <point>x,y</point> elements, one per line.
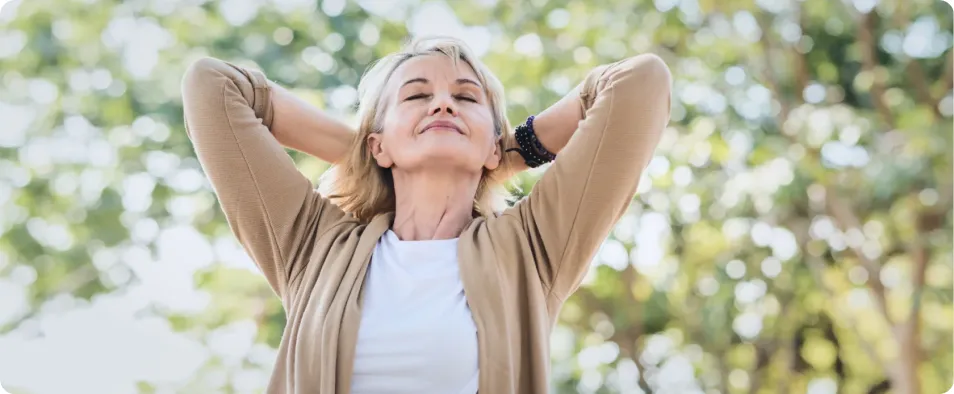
<point>417,334</point>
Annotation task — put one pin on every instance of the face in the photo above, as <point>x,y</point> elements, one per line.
<point>436,116</point>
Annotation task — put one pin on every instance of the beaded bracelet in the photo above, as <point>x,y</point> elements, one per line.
<point>533,152</point>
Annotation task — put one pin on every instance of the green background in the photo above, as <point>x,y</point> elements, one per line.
<point>793,233</point>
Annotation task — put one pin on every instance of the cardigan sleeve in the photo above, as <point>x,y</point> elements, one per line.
<point>270,206</point>
<point>574,206</point>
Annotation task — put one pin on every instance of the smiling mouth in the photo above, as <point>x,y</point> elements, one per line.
<point>442,126</point>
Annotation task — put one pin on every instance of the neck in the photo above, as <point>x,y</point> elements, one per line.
<point>432,206</point>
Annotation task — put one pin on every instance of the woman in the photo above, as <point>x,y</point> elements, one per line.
<point>406,280</point>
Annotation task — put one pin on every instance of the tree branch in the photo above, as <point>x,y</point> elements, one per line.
<point>869,62</point>
<point>766,348</point>
<point>769,76</point>
<point>625,339</point>
<point>785,335</point>
<point>905,374</point>
<point>802,74</point>
<point>880,388</point>
<point>635,330</point>
<point>947,80</point>
<point>817,268</point>
<point>791,353</point>
<point>913,68</point>
<point>921,256</point>
<point>920,252</point>
<point>846,219</point>
<point>837,208</point>
<point>921,88</point>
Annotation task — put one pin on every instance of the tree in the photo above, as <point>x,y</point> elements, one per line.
<point>793,233</point>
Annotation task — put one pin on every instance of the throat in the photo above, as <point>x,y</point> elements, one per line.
<point>431,224</point>
<point>430,208</point>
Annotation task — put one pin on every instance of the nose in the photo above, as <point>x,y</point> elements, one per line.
<point>443,103</point>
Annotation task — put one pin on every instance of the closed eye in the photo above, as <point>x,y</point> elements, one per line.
<point>466,98</point>
<point>417,97</point>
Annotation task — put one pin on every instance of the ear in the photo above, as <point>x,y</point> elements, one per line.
<point>493,159</point>
<point>376,147</point>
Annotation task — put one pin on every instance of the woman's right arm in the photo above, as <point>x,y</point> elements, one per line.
<point>271,208</point>
<point>301,126</point>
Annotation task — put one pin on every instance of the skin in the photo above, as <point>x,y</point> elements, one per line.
<point>436,170</point>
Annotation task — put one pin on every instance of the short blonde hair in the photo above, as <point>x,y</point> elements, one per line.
<point>363,188</point>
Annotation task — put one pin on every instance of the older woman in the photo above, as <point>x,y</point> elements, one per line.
<point>406,278</point>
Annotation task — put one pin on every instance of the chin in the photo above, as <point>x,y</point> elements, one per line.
<point>447,159</point>
<point>449,147</point>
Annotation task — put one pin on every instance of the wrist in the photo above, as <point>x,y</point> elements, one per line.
<point>529,146</point>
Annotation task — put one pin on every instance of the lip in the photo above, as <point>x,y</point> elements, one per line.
<point>443,124</point>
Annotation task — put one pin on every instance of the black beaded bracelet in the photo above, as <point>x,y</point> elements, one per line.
<point>533,152</point>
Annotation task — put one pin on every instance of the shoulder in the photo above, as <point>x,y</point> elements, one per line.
<point>503,235</point>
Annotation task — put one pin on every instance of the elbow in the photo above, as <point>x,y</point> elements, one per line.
<point>204,65</point>
<point>644,74</point>
<point>210,80</point>
<point>659,75</point>
<point>200,89</point>
<point>643,80</point>
<point>651,66</point>
<point>201,75</point>
<point>646,82</point>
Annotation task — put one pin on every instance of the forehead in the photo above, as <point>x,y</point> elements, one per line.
<point>432,67</point>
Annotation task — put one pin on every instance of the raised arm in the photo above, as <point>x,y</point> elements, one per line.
<point>271,208</point>
<point>624,108</point>
<point>301,126</point>
<point>553,127</point>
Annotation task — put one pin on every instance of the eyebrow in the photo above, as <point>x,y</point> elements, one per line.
<point>460,81</point>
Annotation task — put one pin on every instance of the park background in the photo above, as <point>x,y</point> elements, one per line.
<point>793,233</point>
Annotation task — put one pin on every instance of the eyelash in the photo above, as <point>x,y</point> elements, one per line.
<point>421,95</point>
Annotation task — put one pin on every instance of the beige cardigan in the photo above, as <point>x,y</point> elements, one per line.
<point>517,268</point>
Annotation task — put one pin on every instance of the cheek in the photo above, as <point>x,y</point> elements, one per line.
<point>482,119</point>
<point>397,129</point>
<point>399,124</point>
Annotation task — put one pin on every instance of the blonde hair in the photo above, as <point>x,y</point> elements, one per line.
<point>363,188</point>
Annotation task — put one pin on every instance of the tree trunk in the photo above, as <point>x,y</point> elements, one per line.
<point>904,377</point>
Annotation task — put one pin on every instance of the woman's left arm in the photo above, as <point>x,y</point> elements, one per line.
<point>610,127</point>
<point>553,127</point>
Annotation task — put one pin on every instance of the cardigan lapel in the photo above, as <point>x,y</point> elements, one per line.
<point>351,321</point>
<point>482,289</point>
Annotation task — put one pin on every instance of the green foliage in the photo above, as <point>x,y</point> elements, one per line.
<point>794,232</point>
